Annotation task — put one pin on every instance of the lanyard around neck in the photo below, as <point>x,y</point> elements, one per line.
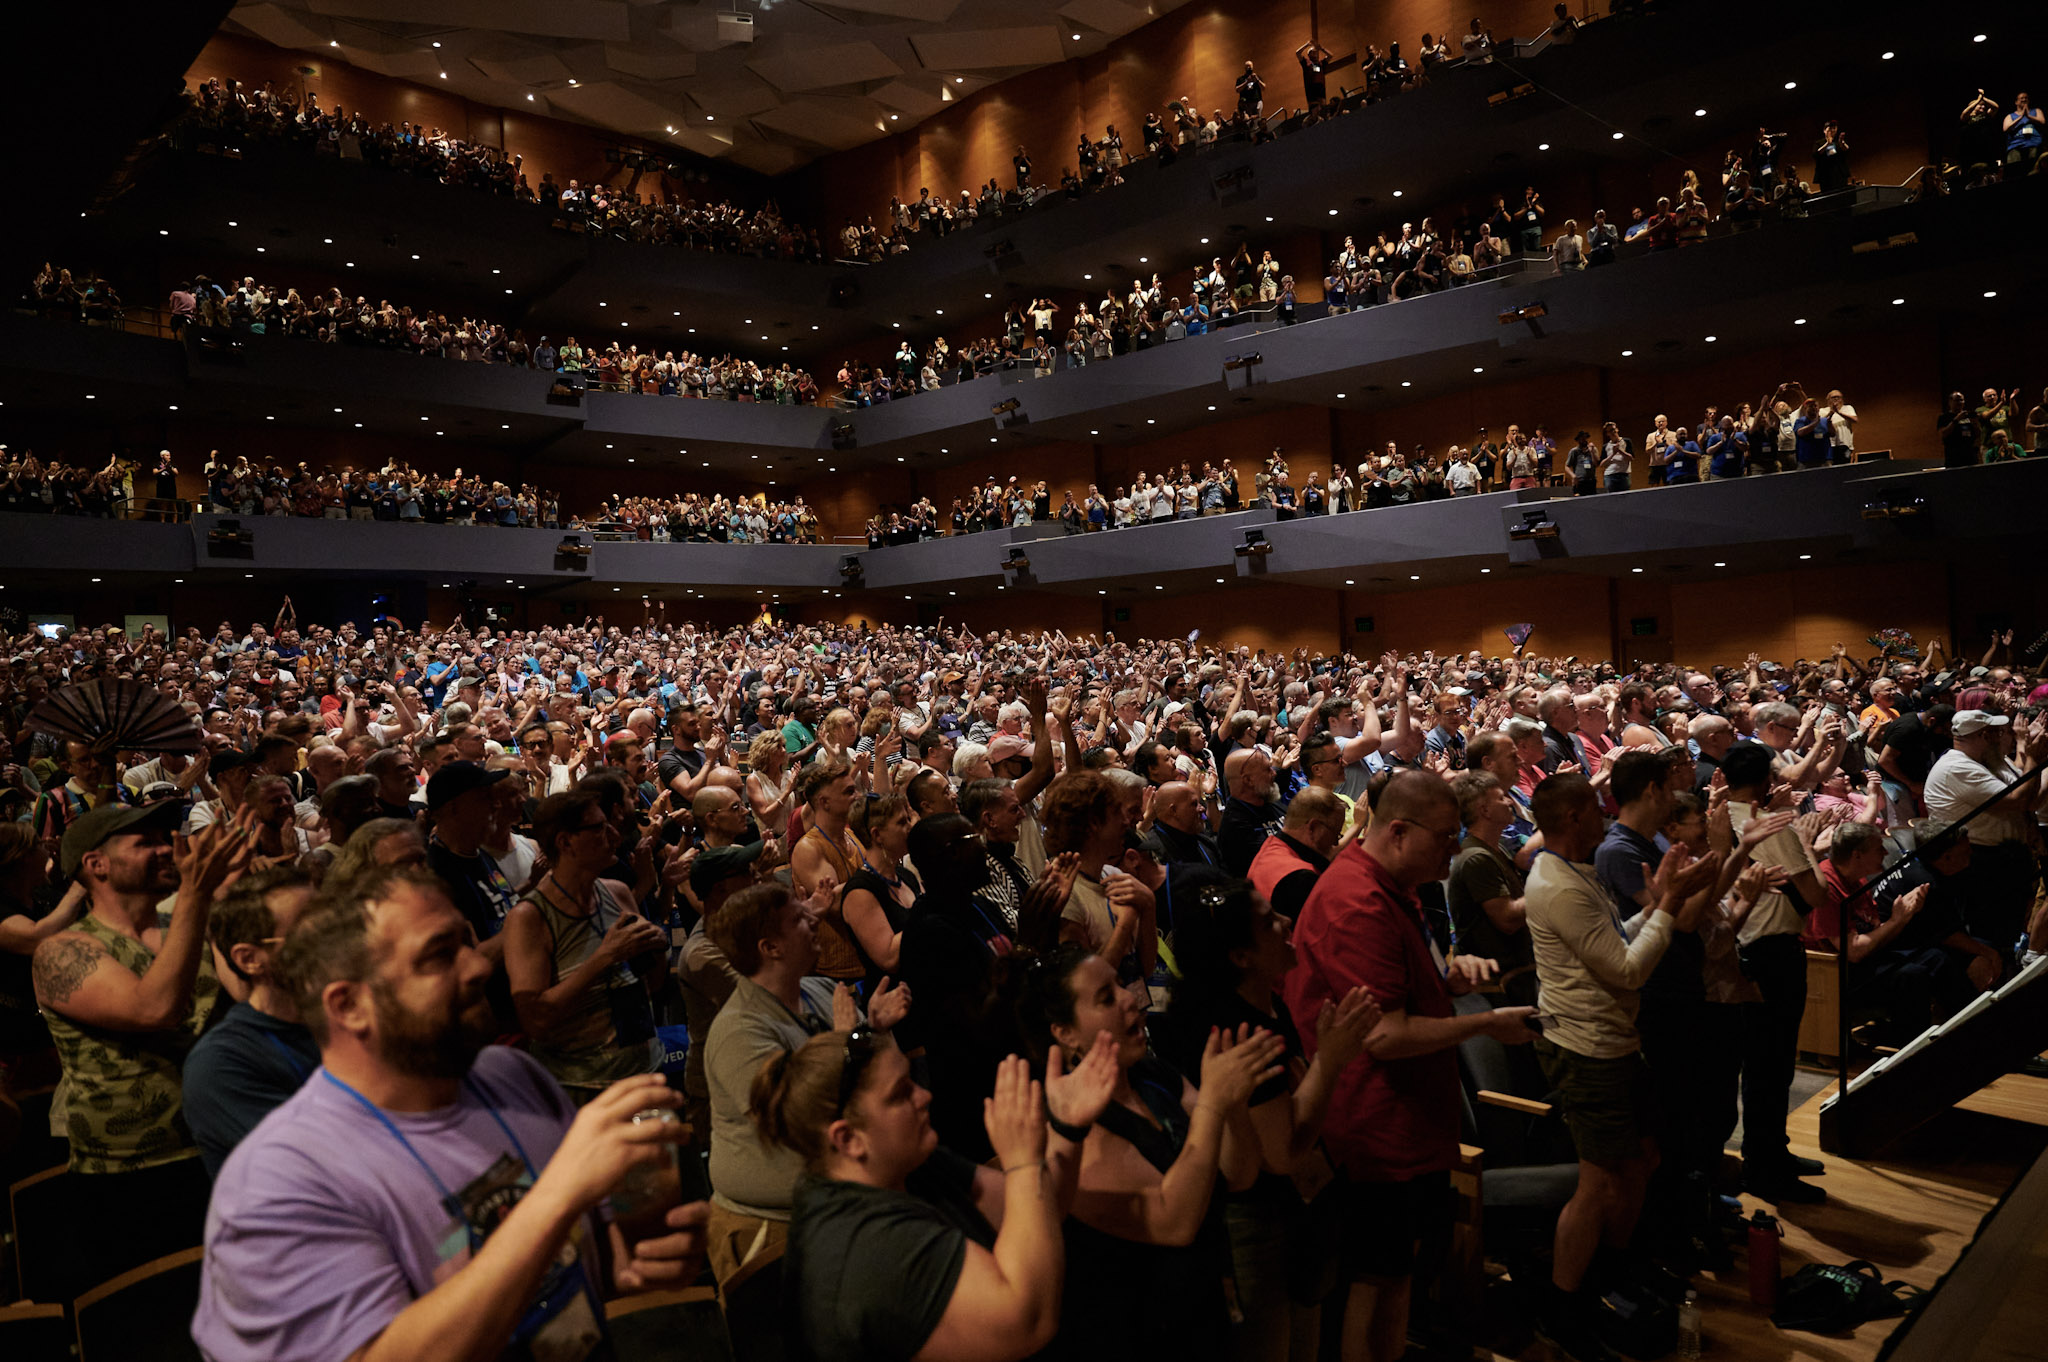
<point>384,1120</point>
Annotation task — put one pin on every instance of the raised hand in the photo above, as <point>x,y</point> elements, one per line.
<point>1234,1065</point>
<point>1015,1116</point>
<point>889,1006</point>
<point>1079,1096</point>
<point>631,935</point>
<point>1342,1026</point>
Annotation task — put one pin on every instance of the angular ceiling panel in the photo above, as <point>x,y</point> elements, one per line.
<point>919,100</point>
<point>651,59</point>
<point>925,11</point>
<point>979,48</point>
<point>804,67</point>
<point>1106,16</point>
<point>825,74</point>
<point>602,19</point>
<point>823,121</point>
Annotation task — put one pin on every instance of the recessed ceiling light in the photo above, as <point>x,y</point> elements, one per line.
<point>437,44</point>
<point>93,396</point>
<point>337,411</point>
<point>1333,212</point>
<point>1617,137</point>
<point>1414,577</point>
<point>1990,293</point>
<point>892,118</point>
<point>1898,302</point>
<point>1077,37</point>
<point>1543,146</point>
<point>1095,432</point>
<point>1144,260</point>
<point>1712,339</point>
<point>959,80</point>
<point>1150,422</point>
<point>1799,321</point>
<point>1477,369</point>
<point>1397,193</point>
<point>1484,571</point>
<point>1978,39</point>
<point>444,75</point>
<point>1205,241</point>
<point>1889,55</point>
<point>416,257</point>
<point>1212,407</point>
<point>1635,569</point>
<point>351,264</point>
<point>1699,113</point>
<point>163,231</point>
<point>1340,398</point>
<point>261,249</point>
<point>1219,581</point>
<point>233,223</point>
<point>273,418</point>
<point>1626,353</point>
<point>899,457</point>
<point>671,127</point>
<point>1101,592</point>
<point>529,99</point>
<point>332,43</point>
<point>1791,84</point>
<point>1720,565</point>
<point>708,118</point>
<point>600,304</point>
<point>1804,556</point>
<point>95,579</point>
<point>174,406</point>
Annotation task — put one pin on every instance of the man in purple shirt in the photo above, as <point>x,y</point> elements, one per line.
<point>423,1195</point>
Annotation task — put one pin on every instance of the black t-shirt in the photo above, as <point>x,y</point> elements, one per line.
<point>869,1271</point>
<point>675,762</point>
<point>1626,862</point>
<point>1938,919</point>
<point>1915,746</point>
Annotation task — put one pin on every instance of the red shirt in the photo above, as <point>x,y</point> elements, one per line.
<point>1398,1119</point>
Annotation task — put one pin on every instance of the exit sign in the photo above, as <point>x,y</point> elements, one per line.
<point>1361,624</point>
<point>1643,626</point>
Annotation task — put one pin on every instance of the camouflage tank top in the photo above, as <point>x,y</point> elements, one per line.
<point>121,1098</point>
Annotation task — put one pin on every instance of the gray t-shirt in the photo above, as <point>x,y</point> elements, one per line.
<point>748,1175</point>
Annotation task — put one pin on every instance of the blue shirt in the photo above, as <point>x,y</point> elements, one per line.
<point>241,1070</point>
<point>1726,453</point>
<point>1685,463</point>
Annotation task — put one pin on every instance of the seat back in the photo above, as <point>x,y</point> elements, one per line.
<point>34,1333</point>
<point>754,1318</point>
<point>33,1146</point>
<point>40,1211</point>
<point>668,1326</point>
<point>1510,1138</point>
<point>143,1315</point>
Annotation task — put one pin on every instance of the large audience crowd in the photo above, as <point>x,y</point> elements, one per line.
<point>1028,994</point>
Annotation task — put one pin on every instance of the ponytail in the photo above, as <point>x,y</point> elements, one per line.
<point>795,1095</point>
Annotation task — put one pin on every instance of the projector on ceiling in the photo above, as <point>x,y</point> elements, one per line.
<point>735,28</point>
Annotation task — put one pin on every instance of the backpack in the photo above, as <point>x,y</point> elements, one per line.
<point>1824,1299</point>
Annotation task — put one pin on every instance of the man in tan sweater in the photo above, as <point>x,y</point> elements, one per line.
<point>1590,961</point>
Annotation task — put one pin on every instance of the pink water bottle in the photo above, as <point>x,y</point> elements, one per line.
<point>1764,1234</point>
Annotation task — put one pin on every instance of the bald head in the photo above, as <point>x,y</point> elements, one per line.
<point>1176,807</point>
<point>1249,774</point>
<point>1714,734</point>
<point>1417,796</point>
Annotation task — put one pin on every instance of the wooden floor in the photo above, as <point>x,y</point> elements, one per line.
<point>1911,1213</point>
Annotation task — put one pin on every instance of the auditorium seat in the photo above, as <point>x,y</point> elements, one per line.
<point>34,1333</point>
<point>143,1315</point>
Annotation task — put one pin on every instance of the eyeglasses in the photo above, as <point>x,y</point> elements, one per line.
<point>860,1052</point>
<point>1437,833</point>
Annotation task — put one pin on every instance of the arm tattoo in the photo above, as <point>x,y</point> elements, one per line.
<point>61,965</point>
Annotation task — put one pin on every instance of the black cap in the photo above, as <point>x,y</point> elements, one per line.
<point>457,779</point>
<point>91,831</point>
<point>717,864</point>
<point>233,759</point>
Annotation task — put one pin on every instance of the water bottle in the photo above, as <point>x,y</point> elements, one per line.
<point>1689,1328</point>
<point>1764,1235</point>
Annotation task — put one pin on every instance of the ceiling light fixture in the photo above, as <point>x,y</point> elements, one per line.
<point>1791,84</point>
<point>529,99</point>
<point>1617,137</point>
<point>1712,339</point>
<point>1543,146</point>
<point>1699,113</point>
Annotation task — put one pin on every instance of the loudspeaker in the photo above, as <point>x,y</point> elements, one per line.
<point>735,28</point>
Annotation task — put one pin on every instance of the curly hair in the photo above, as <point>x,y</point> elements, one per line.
<point>1075,805</point>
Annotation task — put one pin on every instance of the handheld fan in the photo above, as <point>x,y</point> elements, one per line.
<point>114,715</point>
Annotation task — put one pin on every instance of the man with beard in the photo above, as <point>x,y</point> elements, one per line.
<point>126,991</point>
<point>1252,812</point>
<point>422,1195</point>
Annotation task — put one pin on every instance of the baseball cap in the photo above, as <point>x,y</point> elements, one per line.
<point>95,829</point>
<point>722,863</point>
<point>457,779</point>
<point>1968,721</point>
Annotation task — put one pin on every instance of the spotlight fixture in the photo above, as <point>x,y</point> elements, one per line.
<point>1255,545</point>
<point>849,568</point>
<point>1243,361</point>
<point>1536,524</point>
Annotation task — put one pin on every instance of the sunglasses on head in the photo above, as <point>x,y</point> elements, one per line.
<point>860,1052</point>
